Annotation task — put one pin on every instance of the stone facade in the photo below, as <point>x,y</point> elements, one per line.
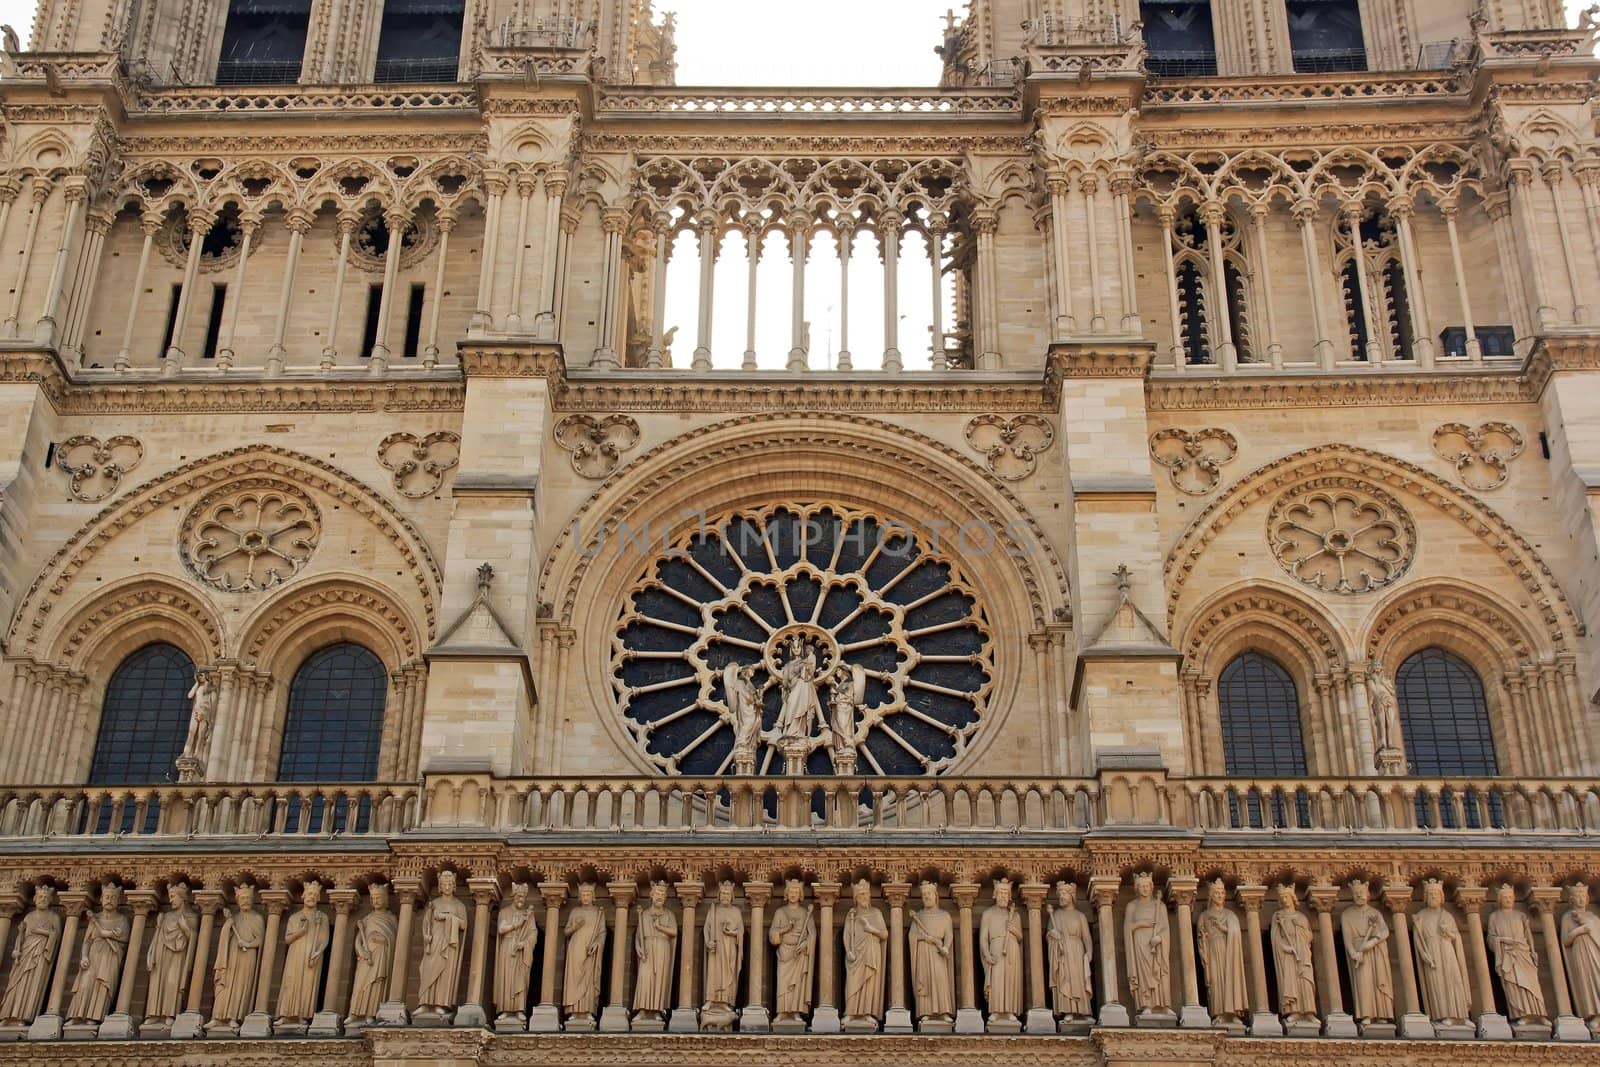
<point>1294,365</point>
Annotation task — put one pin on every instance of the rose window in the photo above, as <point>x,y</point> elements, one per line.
<point>250,540</point>
<point>854,595</point>
<point>1342,540</point>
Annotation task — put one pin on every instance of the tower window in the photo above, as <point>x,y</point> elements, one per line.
<point>420,41</point>
<point>369,333</point>
<point>264,42</point>
<point>1325,36</point>
<point>219,301</point>
<point>414,321</point>
<point>1178,39</point>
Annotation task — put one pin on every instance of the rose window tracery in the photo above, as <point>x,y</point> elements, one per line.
<point>862,601</point>
<point>1342,539</point>
<point>250,539</point>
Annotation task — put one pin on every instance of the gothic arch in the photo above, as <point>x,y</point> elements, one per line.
<point>291,625</point>
<point>1558,620</point>
<point>134,612</point>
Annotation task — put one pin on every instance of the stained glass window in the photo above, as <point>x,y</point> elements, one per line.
<point>1260,711</point>
<point>335,721</point>
<point>144,720</point>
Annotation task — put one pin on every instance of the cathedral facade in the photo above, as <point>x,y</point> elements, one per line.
<point>474,594</point>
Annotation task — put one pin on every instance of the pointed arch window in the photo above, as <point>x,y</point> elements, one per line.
<point>334,726</point>
<point>144,718</point>
<point>1444,723</point>
<point>1261,738</point>
<point>1202,327</point>
<point>1372,285</point>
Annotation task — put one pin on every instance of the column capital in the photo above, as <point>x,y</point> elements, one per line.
<point>689,892</point>
<point>75,188</point>
<point>661,221</point>
<point>1033,894</point>
<point>1166,214</point>
<point>275,900</point>
<point>1250,896</point>
<point>405,887</point>
<point>1397,897</point>
<point>526,185</point>
<point>1213,212</point>
<point>555,185</point>
<point>348,222</point>
<point>622,892</point>
<point>758,892</point>
<point>614,219</point>
<point>1450,207</point>
<point>207,901</point>
<point>1546,898</point>
<point>10,188</point>
<point>1089,183</point>
<point>1305,210</point>
<point>485,891</point>
<point>1552,171</point>
<point>151,223</point>
<point>895,894</point>
<point>345,899</point>
<point>495,182</point>
<point>1323,897</point>
<point>140,901</point>
<point>554,893</point>
<point>41,189</point>
<point>201,221</point>
<point>825,893</point>
<point>396,218</point>
<point>300,221</point>
<point>1402,205</point>
<point>446,219</point>
<point>1519,173</point>
<point>1471,897</point>
<point>73,901</point>
<point>985,221</point>
<point>1181,888</point>
<point>1104,889</point>
<point>965,894</point>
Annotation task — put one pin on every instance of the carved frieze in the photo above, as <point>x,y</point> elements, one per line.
<point>1194,459</point>
<point>420,463</point>
<point>1481,454</point>
<point>95,467</point>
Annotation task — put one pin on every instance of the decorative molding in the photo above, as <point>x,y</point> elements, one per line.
<point>596,444</point>
<point>1092,359</point>
<point>1473,450</point>
<point>249,536</point>
<point>419,463</point>
<point>1200,454</point>
<point>90,461</point>
<point>1341,535</point>
<point>1188,391</point>
<point>1010,446</point>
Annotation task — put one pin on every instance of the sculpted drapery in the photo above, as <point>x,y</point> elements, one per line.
<point>586,938</point>
<point>105,939</point>
<point>865,935</point>
<point>1291,953</point>
<point>933,979</point>
<point>1516,961</point>
<point>655,941</point>
<point>1441,958</point>
<point>1000,947</point>
<point>35,951</point>
<point>238,963</point>
<point>170,955</point>
<point>1580,939</point>
<point>444,937</point>
<point>1365,933</point>
<point>306,934</point>
<point>1222,956</point>
<point>795,936</point>
<point>724,942</point>
<point>374,945</point>
<point>1071,953</point>
<point>517,933</point>
<point>1147,942</point>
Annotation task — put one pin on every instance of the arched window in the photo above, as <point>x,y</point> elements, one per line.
<point>144,719</point>
<point>1210,315</point>
<point>1260,712</point>
<point>1444,717</point>
<point>1372,284</point>
<point>335,720</point>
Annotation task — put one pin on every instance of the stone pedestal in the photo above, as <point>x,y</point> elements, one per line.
<point>898,1021</point>
<point>1075,1024</point>
<point>511,1022</point>
<point>714,1019</point>
<point>859,1024</point>
<point>1156,1020</point>
<point>1265,1024</point>
<point>471,1015</point>
<point>790,1025</point>
<point>546,1019</point>
<point>579,1024</point>
<point>81,1031</point>
<point>1462,1031</point>
<point>393,1013</point>
<point>290,1027</point>
<point>154,1029</point>
<point>613,1019</point>
<point>1004,1024</point>
<point>1415,1026</point>
<point>431,1016</point>
<point>1233,1027</point>
<point>1195,1017</point>
<point>188,1024</point>
<point>46,1027</point>
<point>117,1027</point>
<point>753,1019</point>
<point>648,1022</point>
<point>324,1024</point>
<point>13,1033</point>
<point>1532,1031</point>
<point>1570,1028</point>
<point>1492,1026</point>
<point>936,1026</point>
<point>1378,1029</point>
<point>1040,1021</point>
<point>825,1020</point>
<point>256,1024</point>
<point>1339,1024</point>
<point>1114,1015</point>
<point>1303,1026</point>
<point>684,1021</point>
<point>969,1021</point>
<point>218,1029</point>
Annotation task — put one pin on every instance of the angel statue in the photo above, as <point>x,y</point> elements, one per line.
<point>847,691</point>
<point>744,704</point>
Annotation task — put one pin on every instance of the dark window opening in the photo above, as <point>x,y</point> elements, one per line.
<point>1178,39</point>
<point>144,719</point>
<point>264,42</point>
<point>1238,310</point>
<point>1399,309</point>
<point>1260,711</point>
<point>1493,341</point>
<point>172,317</point>
<point>1355,309</point>
<point>1325,36</point>
<point>1192,311</point>
<point>419,41</point>
<point>1444,722</point>
<point>219,301</point>
<point>369,333</point>
<point>335,720</point>
<point>414,321</point>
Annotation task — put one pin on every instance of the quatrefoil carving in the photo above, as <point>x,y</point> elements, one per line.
<point>1482,454</point>
<point>1010,446</point>
<point>596,444</point>
<point>419,463</point>
<point>1194,459</point>
<point>96,467</point>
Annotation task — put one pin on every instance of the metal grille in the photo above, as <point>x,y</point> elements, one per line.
<point>144,719</point>
<point>1444,717</point>
<point>1260,719</point>
<point>335,720</point>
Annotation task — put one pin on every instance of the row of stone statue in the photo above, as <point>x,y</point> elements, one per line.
<point>1444,972</point>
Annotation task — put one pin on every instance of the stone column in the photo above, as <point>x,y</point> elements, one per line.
<point>348,221</point>
<point>1181,890</point>
<point>1104,890</point>
<point>1520,186</point>
<point>119,1025</point>
<point>613,220</point>
<point>76,194</point>
<point>846,237</point>
<point>1261,271</point>
<point>1089,184</point>
<point>1305,213</point>
<point>1224,351</point>
<point>1451,209</point>
<point>190,1022</point>
<point>1180,355</point>
<point>1264,1022</point>
<point>799,241</point>
<point>937,226</point>
<point>1586,171</point>
<point>430,348</point>
<point>392,1011</point>
<point>986,317</point>
<point>299,223</point>
<point>614,1016</point>
<point>485,891</point>
<point>1336,1022</point>
<point>969,1020</point>
<point>706,224</point>
<point>752,252</point>
<point>1414,1022</point>
<point>1402,208</point>
<point>494,185</point>
<point>396,221</point>
<point>46,1026</point>
<point>1352,211</point>
<point>898,1018</point>
<point>889,236</point>
<point>326,1022</point>
<point>150,223</point>
<point>755,1017</point>
<point>97,225</point>
<point>1498,208</point>
<point>1567,1027</point>
<point>825,1015</point>
<point>546,327</point>
<point>1492,1026</point>
<point>200,223</point>
<point>259,1022</point>
<point>1121,192</point>
<point>1040,1019</point>
<point>39,193</point>
<point>1065,324</point>
<point>248,224</point>
<point>545,1018</point>
<point>686,1016</point>
<point>1552,174</point>
<point>525,186</point>
<point>655,357</point>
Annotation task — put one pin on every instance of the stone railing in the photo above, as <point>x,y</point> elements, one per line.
<point>309,98</point>
<point>1304,88</point>
<point>770,103</point>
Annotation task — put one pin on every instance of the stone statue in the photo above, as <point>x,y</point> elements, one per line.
<point>1441,958</point>
<point>1516,960</point>
<point>1384,706</point>
<point>1000,948</point>
<point>586,942</point>
<point>306,934</point>
<point>724,940</point>
<point>1071,952</point>
<point>744,705</point>
<point>170,956</point>
<point>105,939</point>
<point>1366,945</point>
<point>1147,941</point>
<point>444,941</point>
<point>655,942</point>
<point>8,40</point>
<point>203,703</point>
<point>847,691</point>
<point>517,933</point>
<point>865,935</point>
<point>1292,938</point>
<point>37,937</point>
<point>798,680</point>
<point>933,976</point>
<point>1580,939</point>
<point>233,976</point>
<point>375,941</point>
<point>1222,957</point>
<point>795,936</point>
